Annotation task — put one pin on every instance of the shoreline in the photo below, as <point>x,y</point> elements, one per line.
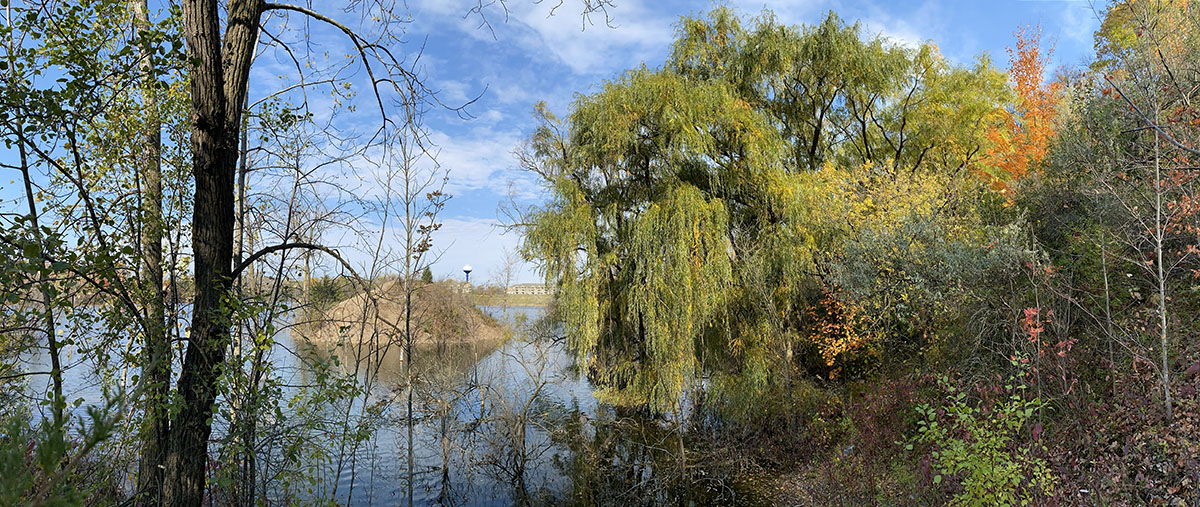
<point>512,300</point>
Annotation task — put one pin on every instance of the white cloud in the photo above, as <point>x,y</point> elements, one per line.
<point>875,19</point>
<point>599,48</point>
<point>454,92</point>
<point>1077,23</point>
<point>585,48</point>
<point>900,30</point>
<point>478,242</point>
<point>512,93</point>
<point>788,13</point>
<point>477,159</point>
<point>491,116</point>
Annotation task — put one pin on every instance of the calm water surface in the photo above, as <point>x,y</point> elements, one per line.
<point>463,448</point>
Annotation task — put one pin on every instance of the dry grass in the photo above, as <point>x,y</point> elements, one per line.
<point>439,316</point>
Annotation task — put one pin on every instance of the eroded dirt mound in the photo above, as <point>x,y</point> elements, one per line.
<point>440,315</point>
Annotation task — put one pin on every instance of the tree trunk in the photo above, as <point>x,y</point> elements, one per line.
<point>218,88</point>
<point>43,283</point>
<point>1159,234</point>
<point>45,286</point>
<point>156,352</point>
<point>408,414</point>
<point>1112,363</point>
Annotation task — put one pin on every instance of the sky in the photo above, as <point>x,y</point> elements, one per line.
<point>535,56</point>
<point>530,51</point>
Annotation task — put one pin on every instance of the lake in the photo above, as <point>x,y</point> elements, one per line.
<point>501,424</point>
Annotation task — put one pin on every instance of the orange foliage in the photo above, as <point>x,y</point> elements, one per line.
<point>1020,144</point>
<point>834,330</point>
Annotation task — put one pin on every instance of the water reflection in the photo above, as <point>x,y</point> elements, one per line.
<point>518,426</point>
<point>480,435</point>
<point>506,422</point>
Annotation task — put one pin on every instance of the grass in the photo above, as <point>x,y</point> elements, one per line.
<point>512,299</point>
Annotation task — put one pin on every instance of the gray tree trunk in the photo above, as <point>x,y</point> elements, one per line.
<point>156,351</point>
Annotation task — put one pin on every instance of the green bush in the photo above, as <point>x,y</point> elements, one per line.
<point>48,465</point>
<point>979,446</point>
<point>325,292</point>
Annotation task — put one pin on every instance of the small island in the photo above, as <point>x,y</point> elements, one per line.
<point>442,315</point>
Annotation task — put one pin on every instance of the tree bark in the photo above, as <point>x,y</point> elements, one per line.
<point>156,349</point>
<point>1159,233</point>
<point>218,89</point>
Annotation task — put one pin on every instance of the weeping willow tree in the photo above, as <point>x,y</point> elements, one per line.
<point>701,213</point>
<point>659,177</point>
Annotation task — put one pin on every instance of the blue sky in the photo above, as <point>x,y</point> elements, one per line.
<point>532,56</point>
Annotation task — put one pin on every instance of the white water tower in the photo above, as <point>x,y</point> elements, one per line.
<point>467,271</point>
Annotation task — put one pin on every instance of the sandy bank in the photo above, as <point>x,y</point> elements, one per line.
<point>439,317</point>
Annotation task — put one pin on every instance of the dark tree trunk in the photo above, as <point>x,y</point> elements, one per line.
<point>156,362</point>
<point>218,88</point>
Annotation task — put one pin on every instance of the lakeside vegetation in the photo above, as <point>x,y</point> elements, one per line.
<point>795,265</point>
<point>505,300</point>
<point>893,278</point>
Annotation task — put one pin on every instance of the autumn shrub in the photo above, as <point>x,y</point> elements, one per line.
<point>864,466</point>
<point>777,421</point>
<point>923,282</point>
<point>826,424</point>
<point>880,413</point>
<point>979,446</point>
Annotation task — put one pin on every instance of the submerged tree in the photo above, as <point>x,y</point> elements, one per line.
<point>701,213</point>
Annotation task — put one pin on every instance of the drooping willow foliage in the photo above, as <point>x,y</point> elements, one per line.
<point>739,213</point>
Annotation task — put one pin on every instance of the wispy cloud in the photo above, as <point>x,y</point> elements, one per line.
<point>637,34</point>
<point>478,242</point>
<point>477,158</point>
<point>911,29</point>
<point>788,13</point>
<point>543,29</point>
<point>1077,23</point>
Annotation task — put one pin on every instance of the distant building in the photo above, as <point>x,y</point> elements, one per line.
<point>458,287</point>
<point>536,289</point>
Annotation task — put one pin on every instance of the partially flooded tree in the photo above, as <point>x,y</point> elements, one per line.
<point>419,192</point>
<point>675,192</point>
<point>515,427</point>
<point>502,278</point>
